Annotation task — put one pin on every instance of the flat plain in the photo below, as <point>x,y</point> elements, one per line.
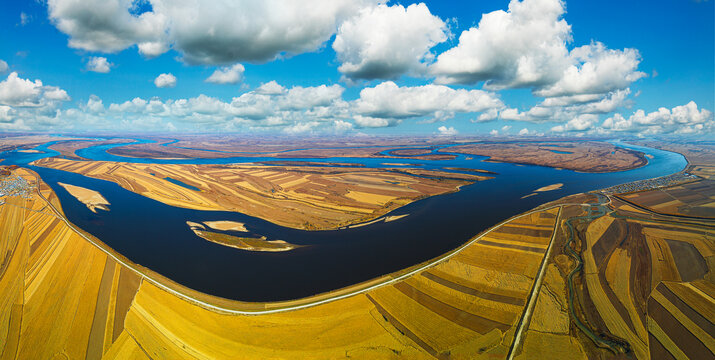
<point>299,197</point>
<point>587,276</point>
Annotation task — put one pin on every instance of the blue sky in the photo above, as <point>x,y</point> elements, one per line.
<point>550,67</point>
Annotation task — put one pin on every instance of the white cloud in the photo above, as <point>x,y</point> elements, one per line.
<point>566,108</point>
<point>227,75</point>
<point>105,25</point>
<point>203,32</point>
<point>535,114</point>
<point>579,123</point>
<point>494,132</point>
<point>569,100</point>
<point>488,115</point>
<point>55,94</point>
<point>135,105</point>
<point>28,105</point>
<point>387,100</point>
<point>372,122</point>
<point>297,109</point>
<point>3,66</point>
<point>341,126</point>
<point>24,19</point>
<point>153,49</point>
<point>524,46</point>
<point>443,130</point>
<point>596,70</point>
<point>270,88</point>
<point>19,92</point>
<point>99,64</point>
<point>684,119</point>
<point>165,80</point>
<point>383,42</point>
<point>609,103</point>
<point>6,114</point>
<point>94,105</point>
<point>247,30</point>
<point>524,131</point>
<point>301,127</point>
<point>299,97</point>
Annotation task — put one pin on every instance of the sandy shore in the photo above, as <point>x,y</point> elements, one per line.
<point>93,199</point>
<point>225,225</point>
<point>550,187</point>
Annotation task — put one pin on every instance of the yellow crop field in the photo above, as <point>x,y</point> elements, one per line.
<point>63,297</point>
<point>306,198</point>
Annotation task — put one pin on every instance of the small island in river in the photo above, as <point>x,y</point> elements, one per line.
<point>93,199</point>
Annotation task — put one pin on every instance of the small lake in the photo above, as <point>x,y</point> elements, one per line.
<point>155,235</point>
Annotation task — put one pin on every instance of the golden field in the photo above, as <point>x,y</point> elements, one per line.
<point>646,284</point>
<point>645,288</point>
<point>300,197</point>
<point>64,298</point>
<point>591,156</point>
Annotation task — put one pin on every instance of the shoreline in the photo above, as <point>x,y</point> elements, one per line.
<point>237,307</point>
<point>228,306</point>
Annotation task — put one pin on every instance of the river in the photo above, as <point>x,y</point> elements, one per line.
<point>156,236</point>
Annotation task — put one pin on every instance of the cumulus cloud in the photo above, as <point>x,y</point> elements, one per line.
<point>526,46</point>
<point>293,110</point>
<point>270,88</point>
<point>246,30</point>
<point>105,25</point>
<point>301,127</point>
<point>596,70</point>
<point>387,100</point>
<point>207,33</point>
<point>99,64</point>
<point>165,80</point>
<point>204,32</point>
<point>227,75</point>
<point>524,132</point>
<point>27,104</point>
<point>373,122</point>
<point>565,109</point>
<point>523,46</point>
<point>383,42</point>
<point>18,92</point>
<point>3,66</point>
<point>94,105</point>
<point>579,123</point>
<point>684,119</point>
<point>448,131</point>
<point>6,114</point>
<point>299,97</point>
<point>342,126</point>
<point>488,115</point>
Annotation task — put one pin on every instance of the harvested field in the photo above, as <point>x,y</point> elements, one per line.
<point>311,198</point>
<point>62,295</point>
<point>589,156</point>
<point>224,225</point>
<point>694,199</point>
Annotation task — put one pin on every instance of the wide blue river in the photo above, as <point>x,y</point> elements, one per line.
<point>155,235</point>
